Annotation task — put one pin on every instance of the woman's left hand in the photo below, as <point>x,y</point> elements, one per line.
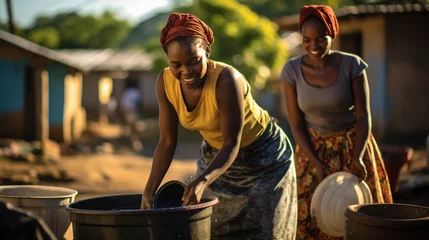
<point>194,191</point>
<point>358,169</point>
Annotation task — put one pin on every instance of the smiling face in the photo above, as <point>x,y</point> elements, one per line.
<point>314,40</point>
<point>187,57</point>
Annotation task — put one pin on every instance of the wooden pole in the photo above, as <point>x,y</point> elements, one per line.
<point>42,109</point>
<point>10,17</point>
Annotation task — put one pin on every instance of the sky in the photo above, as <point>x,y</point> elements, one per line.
<point>25,11</point>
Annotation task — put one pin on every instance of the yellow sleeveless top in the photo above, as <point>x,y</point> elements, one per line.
<point>205,117</point>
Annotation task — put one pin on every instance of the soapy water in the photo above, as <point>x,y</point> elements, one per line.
<point>170,203</point>
<point>190,178</point>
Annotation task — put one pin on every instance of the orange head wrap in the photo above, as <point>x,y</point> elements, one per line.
<point>325,14</point>
<point>185,25</point>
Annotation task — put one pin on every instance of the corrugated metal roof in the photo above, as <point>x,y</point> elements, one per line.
<point>86,59</point>
<point>36,49</point>
<point>109,59</point>
<point>291,22</point>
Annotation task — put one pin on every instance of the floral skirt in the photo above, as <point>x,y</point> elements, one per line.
<point>335,150</point>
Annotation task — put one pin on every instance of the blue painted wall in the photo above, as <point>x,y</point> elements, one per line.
<point>57,73</point>
<point>12,79</point>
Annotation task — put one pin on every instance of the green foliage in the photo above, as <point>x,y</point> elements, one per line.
<point>18,30</point>
<point>46,36</point>
<point>278,8</point>
<point>358,2</point>
<point>82,31</point>
<point>242,38</point>
<point>4,27</point>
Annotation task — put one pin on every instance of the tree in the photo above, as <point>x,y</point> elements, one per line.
<point>279,8</point>
<point>46,36</point>
<point>81,31</point>
<point>18,30</point>
<point>4,27</point>
<point>242,38</point>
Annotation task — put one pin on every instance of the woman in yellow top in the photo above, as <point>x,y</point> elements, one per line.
<point>246,159</point>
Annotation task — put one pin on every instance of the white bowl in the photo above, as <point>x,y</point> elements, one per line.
<point>331,199</point>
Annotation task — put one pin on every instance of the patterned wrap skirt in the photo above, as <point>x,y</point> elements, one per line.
<point>335,150</point>
<point>257,194</point>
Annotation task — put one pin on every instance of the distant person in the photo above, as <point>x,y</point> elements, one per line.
<point>327,101</point>
<point>246,159</point>
<point>131,106</point>
<point>112,109</point>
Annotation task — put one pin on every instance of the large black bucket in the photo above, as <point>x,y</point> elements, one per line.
<point>118,217</point>
<point>386,221</point>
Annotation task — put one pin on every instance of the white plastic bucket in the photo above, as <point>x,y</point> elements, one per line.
<point>47,202</point>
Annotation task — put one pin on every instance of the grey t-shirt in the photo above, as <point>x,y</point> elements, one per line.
<point>330,108</point>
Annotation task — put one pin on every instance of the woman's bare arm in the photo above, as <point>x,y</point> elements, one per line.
<point>164,152</point>
<point>230,92</point>
<point>363,119</point>
<point>299,131</point>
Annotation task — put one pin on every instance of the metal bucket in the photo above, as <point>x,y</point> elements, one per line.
<point>386,221</point>
<point>47,202</point>
<point>119,217</point>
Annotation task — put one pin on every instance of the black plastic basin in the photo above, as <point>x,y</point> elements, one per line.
<point>393,221</point>
<point>169,195</point>
<point>119,217</point>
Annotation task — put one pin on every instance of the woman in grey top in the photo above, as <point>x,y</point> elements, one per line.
<point>327,100</point>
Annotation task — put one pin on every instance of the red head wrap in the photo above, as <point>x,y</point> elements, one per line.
<point>185,25</point>
<point>325,14</point>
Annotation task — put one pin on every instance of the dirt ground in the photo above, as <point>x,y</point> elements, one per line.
<point>115,174</point>
<point>99,174</point>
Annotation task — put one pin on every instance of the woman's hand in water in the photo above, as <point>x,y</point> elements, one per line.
<point>358,169</point>
<point>147,201</point>
<point>194,191</point>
